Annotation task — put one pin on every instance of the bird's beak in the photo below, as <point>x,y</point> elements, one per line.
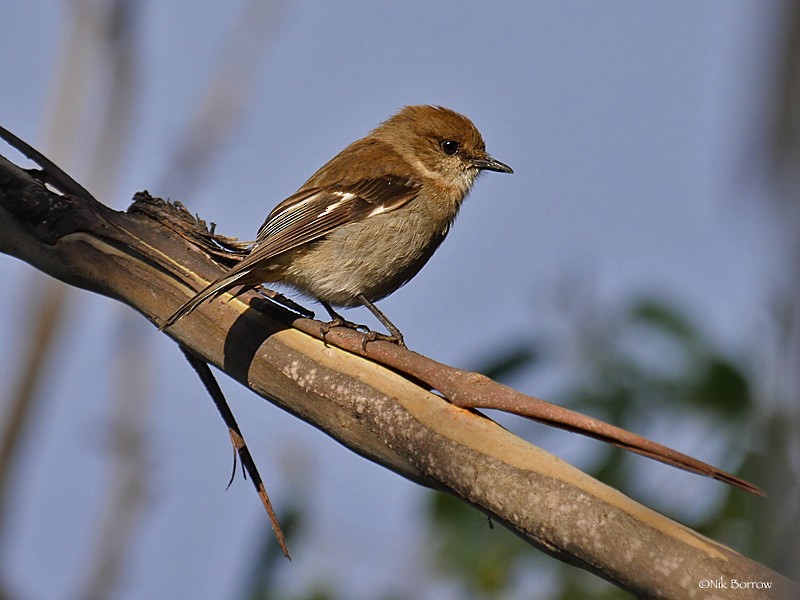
<point>490,164</point>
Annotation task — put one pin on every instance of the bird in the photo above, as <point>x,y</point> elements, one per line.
<point>369,219</point>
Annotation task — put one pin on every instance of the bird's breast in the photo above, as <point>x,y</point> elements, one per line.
<point>373,257</point>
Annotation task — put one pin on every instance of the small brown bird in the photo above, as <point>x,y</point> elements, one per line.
<point>370,218</point>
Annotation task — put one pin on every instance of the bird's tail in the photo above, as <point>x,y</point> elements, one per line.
<point>213,289</point>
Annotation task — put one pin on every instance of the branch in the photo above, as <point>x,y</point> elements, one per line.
<point>142,258</point>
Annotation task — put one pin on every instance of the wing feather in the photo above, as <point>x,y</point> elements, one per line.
<point>307,215</point>
<point>313,213</point>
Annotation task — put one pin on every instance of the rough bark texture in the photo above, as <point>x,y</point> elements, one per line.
<point>147,259</point>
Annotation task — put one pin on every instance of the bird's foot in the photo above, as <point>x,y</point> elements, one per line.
<point>369,335</point>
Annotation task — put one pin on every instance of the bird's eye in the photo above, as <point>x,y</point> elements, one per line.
<point>449,147</point>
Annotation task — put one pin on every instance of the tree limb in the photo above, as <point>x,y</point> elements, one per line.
<point>142,258</point>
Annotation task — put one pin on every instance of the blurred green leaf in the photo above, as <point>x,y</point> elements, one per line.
<point>482,557</point>
<point>508,362</point>
<point>723,387</point>
<point>658,315</point>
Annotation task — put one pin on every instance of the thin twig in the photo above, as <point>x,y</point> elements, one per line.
<point>239,444</point>
<point>473,390</point>
<point>51,173</point>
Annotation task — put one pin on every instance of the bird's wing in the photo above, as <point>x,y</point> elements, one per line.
<point>304,217</point>
<point>315,212</point>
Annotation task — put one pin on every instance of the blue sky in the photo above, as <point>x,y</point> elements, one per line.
<point>632,129</point>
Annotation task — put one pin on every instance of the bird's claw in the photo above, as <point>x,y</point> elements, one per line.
<point>369,335</point>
